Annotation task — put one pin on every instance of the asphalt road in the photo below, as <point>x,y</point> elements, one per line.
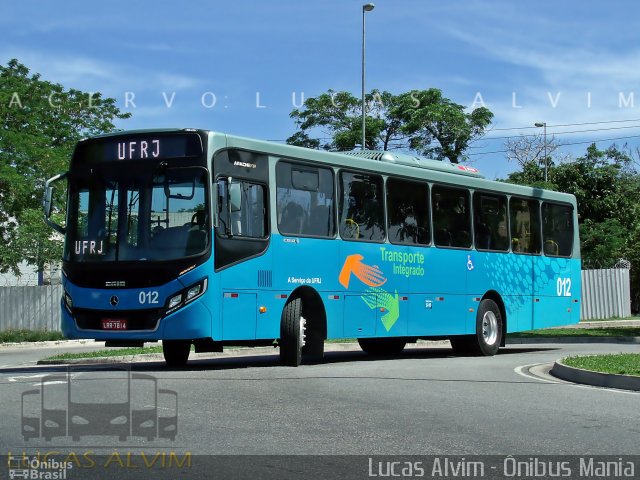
<point>424,402</point>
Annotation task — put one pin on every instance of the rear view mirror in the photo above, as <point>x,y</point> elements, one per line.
<point>47,202</point>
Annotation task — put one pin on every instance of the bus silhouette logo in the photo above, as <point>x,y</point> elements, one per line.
<point>114,402</point>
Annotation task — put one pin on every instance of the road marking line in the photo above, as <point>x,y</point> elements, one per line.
<point>521,371</point>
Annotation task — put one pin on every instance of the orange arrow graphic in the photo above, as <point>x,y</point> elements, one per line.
<point>371,276</point>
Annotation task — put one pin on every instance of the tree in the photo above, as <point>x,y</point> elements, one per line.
<point>40,123</point>
<point>532,152</point>
<point>419,120</point>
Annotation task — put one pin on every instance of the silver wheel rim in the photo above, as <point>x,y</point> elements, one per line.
<point>490,328</point>
<point>303,331</point>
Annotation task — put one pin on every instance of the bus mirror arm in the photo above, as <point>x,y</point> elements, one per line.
<point>214,204</point>
<point>47,202</point>
<point>234,202</point>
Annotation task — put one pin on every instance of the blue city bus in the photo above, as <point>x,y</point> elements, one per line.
<point>201,238</point>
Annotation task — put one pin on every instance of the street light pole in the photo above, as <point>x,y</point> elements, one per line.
<point>367,7</point>
<point>544,125</point>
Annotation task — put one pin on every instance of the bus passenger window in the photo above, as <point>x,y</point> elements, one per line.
<point>304,200</point>
<point>361,209</point>
<point>451,217</point>
<point>490,222</point>
<point>525,225</point>
<point>251,220</point>
<point>408,212</point>
<point>557,230</point>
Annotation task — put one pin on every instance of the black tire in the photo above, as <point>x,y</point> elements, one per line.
<point>382,346</point>
<point>488,336</point>
<point>176,352</point>
<point>290,337</point>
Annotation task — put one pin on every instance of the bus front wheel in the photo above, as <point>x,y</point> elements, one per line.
<point>488,336</point>
<point>292,333</point>
<point>176,352</point>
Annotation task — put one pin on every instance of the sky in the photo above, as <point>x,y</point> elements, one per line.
<point>241,67</point>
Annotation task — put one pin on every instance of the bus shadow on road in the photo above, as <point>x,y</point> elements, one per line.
<point>272,360</point>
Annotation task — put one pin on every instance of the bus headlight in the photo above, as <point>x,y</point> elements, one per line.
<point>193,292</point>
<point>175,301</point>
<point>186,296</point>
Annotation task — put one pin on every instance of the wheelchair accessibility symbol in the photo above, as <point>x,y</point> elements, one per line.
<point>469,263</point>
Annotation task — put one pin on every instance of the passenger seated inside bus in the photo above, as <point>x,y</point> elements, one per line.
<point>292,219</point>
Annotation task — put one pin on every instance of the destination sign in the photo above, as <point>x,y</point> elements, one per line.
<point>159,146</point>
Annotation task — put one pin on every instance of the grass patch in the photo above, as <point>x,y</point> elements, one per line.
<point>116,352</point>
<point>13,336</point>
<point>579,332</point>
<point>622,363</point>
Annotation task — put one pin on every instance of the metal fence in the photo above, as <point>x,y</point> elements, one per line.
<point>606,293</point>
<point>30,308</point>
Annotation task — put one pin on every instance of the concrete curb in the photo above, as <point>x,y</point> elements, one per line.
<point>521,340</point>
<point>597,379</point>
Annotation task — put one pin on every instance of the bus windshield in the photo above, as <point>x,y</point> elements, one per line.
<point>121,215</point>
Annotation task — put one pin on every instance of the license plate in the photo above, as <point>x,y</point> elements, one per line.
<point>114,324</point>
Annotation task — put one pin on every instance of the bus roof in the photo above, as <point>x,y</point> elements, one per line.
<point>385,162</point>
<point>392,163</point>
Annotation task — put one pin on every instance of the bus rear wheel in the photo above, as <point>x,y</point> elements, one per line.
<point>176,352</point>
<point>488,336</point>
<point>382,346</point>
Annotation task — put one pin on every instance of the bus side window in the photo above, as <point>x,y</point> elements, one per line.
<point>361,209</point>
<point>304,200</point>
<point>250,221</point>
<point>408,212</point>
<point>525,225</point>
<point>451,217</point>
<point>557,230</point>
<point>490,222</point>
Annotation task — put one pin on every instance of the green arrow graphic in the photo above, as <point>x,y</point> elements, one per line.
<point>379,298</point>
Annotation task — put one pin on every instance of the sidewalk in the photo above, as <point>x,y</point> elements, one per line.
<point>604,324</point>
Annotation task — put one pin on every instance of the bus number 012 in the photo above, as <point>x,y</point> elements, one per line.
<point>148,297</point>
<point>563,287</point>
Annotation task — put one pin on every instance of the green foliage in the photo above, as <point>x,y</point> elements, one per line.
<point>17,336</point>
<point>419,120</point>
<point>40,123</point>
